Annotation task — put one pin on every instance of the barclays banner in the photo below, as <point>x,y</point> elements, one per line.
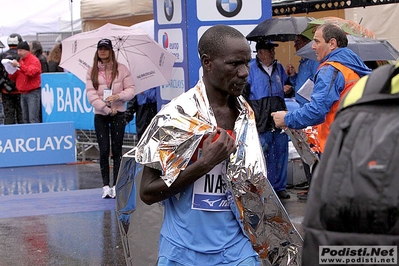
<point>64,99</point>
<point>37,144</point>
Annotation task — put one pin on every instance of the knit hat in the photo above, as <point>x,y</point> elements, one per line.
<point>104,43</point>
<point>265,45</point>
<point>23,45</point>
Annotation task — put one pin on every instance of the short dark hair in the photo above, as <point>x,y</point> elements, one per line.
<point>36,48</point>
<point>216,34</point>
<point>303,38</point>
<point>331,30</point>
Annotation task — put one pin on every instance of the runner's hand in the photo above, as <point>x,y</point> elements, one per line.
<point>218,146</point>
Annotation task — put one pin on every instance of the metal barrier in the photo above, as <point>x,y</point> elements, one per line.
<point>87,140</point>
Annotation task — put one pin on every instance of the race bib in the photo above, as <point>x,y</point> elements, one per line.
<point>209,193</point>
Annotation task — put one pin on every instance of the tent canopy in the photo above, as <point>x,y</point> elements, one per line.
<point>95,13</point>
<point>48,16</point>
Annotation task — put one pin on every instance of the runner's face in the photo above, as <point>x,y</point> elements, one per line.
<point>320,46</point>
<point>229,71</point>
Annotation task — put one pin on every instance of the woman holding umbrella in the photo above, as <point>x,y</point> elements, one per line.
<point>109,85</point>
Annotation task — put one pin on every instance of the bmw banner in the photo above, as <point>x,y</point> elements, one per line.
<point>179,24</point>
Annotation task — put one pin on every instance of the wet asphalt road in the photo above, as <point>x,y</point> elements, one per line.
<point>54,215</point>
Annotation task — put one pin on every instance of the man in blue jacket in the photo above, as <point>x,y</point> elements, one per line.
<point>330,45</point>
<point>265,94</point>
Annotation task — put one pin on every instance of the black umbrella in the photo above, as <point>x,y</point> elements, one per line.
<point>279,29</point>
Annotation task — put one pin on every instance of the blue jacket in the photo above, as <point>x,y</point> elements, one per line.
<point>323,97</point>
<point>265,93</point>
<point>306,70</point>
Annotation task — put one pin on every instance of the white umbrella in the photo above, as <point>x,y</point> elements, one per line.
<point>149,63</point>
<point>367,49</point>
<point>147,26</point>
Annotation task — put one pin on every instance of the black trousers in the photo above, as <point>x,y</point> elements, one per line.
<point>110,127</point>
<point>12,108</point>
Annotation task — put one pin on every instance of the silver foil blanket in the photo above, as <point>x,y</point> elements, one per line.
<point>171,140</point>
<point>306,143</point>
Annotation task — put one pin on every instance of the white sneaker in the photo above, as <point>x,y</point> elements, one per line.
<point>112,192</point>
<point>106,192</point>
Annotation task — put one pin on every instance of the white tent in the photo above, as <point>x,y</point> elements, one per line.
<point>96,13</point>
<point>28,17</point>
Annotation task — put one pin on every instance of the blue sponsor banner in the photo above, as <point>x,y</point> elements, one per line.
<point>64,99</point>
<point>37,144</point>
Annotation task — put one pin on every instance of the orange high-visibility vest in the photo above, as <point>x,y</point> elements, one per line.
<point>323,130</point>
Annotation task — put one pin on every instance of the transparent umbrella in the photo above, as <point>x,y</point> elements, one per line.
<point>367,49</point>
<point>349,26</point>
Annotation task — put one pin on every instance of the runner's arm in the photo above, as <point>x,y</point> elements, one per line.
<point>153,188</point>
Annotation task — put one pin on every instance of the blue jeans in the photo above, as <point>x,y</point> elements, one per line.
<point>31,107</point>
<point>275,150</point>
<point>104,125</point>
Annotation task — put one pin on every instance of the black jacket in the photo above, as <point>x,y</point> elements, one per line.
<point>4,80</point>
<point>144,114</point>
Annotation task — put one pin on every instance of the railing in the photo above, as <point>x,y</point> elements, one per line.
<point>86,140</point>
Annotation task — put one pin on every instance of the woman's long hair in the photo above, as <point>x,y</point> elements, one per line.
<point>55,53</point>
<point>94,71</point>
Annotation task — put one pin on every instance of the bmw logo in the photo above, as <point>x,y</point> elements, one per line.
<point>229,8</point>
<point>168,8</point>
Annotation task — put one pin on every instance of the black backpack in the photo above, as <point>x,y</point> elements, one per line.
<point>354,196</point>
<point>5,82</point>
